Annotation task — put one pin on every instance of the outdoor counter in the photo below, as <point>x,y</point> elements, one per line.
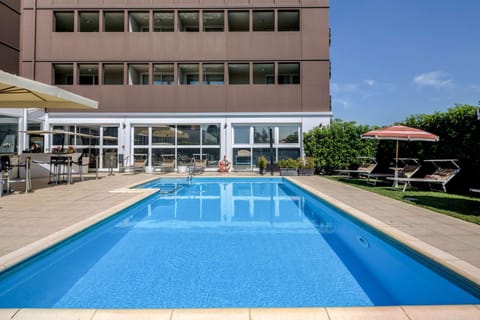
<point>40,163</point>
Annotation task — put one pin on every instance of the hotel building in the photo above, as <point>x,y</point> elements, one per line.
<point>184,78</point>
<point>9,35</point>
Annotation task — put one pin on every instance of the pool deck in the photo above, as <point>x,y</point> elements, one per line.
<point>34,221</point>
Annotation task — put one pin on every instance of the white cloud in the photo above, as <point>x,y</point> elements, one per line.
<point>348,87</point>
<point>475,87</point>
<point>437,79</point>
<point>344,103</point>
<point>369,82</point>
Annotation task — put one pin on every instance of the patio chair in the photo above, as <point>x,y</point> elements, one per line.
<point>6,167</point>
<point>407,168</point>
<point>166,165</point>
<point>137,166</point>
<point>366,167</point>
<point>198,166</point>
<point>441,176</point>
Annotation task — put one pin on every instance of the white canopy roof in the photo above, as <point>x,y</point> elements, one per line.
<point>19,92</point>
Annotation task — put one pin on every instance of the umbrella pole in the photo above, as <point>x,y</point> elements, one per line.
<point>395,174</point>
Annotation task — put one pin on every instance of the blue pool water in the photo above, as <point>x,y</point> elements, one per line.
<point>230,243</point>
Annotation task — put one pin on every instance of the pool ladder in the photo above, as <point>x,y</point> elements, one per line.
<point>190,174</point>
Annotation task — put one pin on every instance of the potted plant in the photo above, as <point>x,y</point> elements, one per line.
<point>288,167</point>
<point>262,164</point>
<point>306,167</point>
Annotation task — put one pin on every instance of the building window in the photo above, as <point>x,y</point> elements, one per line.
<point>88,74</point>
<point>163,21</point>
<point>188,73</point>
<point>288,73</point>
<point>263,20</point>
<point>113,22</point>
<point>238,21</point>
<point>163,74</point>
<point>113,73</point>
<point>88,21</point>
<point>293,153</point>
<point>138,21</point>
<point>213,74</point>
<point>261,134</point>
<point>247,148</point>
<point>188,135</point>
<point>241,134</point>
<point>163,135</point>
<point>288,134</point>
<point>140,136</point>
<point>264,73</point>
<point>63,73</point>
<point>213,21</point>
<point>64,21</point>
<point>238,73</point>
<point>110,136</point>
<point>188,21</point>
<point>288,20</point>
<point>211,134</point>
<point>138,74</point>
<point>8,135</point>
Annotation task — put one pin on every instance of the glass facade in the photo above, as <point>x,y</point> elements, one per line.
<point>252,141</point>
<point>8,134</point>
<point>91,140</point>
<point>183,142</point>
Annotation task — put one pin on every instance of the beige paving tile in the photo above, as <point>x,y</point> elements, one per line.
<point>137,314</point>
<point>7,314</point>
<point>442,312</point>
<point>289,314</point>
<point>211,314</point>
<point>54,314</point>
<point>367,313</point>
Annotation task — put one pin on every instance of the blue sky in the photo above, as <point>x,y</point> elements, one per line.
<point>394,58</point>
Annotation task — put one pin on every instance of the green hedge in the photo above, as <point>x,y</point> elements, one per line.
<point>338,145</point>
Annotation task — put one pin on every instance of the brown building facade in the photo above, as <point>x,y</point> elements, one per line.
<point>193,78</point>
<point>9,35</point>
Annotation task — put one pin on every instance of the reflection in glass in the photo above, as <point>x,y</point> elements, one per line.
<point>159,155</point>
<point>212,155</point>
<point>288,153</point>
<point>188,135</point>
<point>140,136</point>
<point>163,135</point>
<point>241,134</point>
<point>110,136</point>
<point>140,155</point>
<point>261,134</point>
<point>185,155</point>
<point>257,152</point>
<point>288,134</point>
<point>110,158</point>
<point>210,134</point>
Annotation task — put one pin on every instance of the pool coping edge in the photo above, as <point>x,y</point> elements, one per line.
<point>445,259</point>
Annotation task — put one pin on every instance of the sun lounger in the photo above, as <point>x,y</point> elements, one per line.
<point>474,190</point>
<point>367,167</point>
<point>198,166</point>
<point>166,165</point>
<point>407,168</point>
<point>137,166</point>
<point>441,176</point>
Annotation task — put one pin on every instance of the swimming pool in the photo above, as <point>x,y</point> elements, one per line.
<point>259,242</point>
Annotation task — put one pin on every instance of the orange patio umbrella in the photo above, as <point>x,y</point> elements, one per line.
<point>400,133</point>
